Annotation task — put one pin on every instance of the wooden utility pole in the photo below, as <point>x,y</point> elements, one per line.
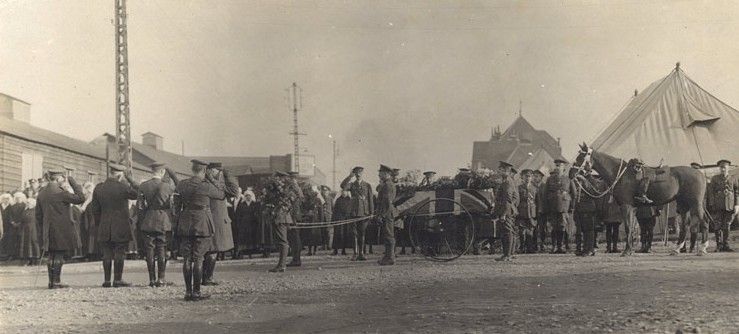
<point>122,112</point>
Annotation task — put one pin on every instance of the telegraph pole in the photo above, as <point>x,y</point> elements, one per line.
<point>296,95</point>
<point>123,116</point>
<point>335,152</point>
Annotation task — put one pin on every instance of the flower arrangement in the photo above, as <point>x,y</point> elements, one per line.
<point>280,194</point>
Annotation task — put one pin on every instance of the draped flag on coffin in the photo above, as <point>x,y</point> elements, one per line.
<point>475,201</point>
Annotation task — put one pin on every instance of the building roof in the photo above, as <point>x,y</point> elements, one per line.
<point>673,121</point>
<point>38,135</point>
<point>180,164</point>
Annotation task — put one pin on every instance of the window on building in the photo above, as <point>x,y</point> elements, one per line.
<point>31,167</point>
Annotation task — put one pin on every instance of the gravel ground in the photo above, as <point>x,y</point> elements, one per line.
<point>542,293</point>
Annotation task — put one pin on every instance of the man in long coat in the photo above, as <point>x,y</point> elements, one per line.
<point>386,213</point>
<point>222,235</point>
<point>558,205</point>
<point>506,210</point>
<point>363,205</point>
<point>110,207</point>
<point>154,204</point>
<point>53,211</point>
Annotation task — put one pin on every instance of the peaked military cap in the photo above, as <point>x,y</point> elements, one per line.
<point>384,168</point>
<point>198,162</point>
<point>157,165</point>
<point>464,169</point>
<point>215,165</point>
<point>429,173</point>
<point>723,161</point>
<point>505,164</point>
<point>117,167</point>
<point>56,171</point>
<point>357,169</point>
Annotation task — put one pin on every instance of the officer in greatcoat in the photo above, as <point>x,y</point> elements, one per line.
<point>557,199</point>
<point>386,212</point>
<point>506,210</point>
<point>195,225</point>
<point>526,218</point>
<point>110,208</point>
<point>222,235</point>
<point>154,205</point>
<point>723,204</point>
<point>363,205</point>
<point>54,213</point>
<point>428,180</point>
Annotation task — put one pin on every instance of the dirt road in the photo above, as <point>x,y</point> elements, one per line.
<point>654,293</point>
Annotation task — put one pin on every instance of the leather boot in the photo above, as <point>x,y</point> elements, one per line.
<point>197,278</point>
<point>187,273</point>
<point>280,267</point>
<point>107,268</point>
<point>58,275</point>
<point>208,270</point>
<point>118,275</point>
<point>50,268</point>
<point>151,267</point>
<point>725,241</point>
<point>389,258</point>
<point>615,240</point>
<point>162,270</point>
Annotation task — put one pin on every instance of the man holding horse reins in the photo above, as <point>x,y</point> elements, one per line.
<point>637,166</point>
<point>723,204</point>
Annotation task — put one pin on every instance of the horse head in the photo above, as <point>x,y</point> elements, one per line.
<point>584,158</point>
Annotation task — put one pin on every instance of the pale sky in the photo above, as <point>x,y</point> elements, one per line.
<point>407,83</point>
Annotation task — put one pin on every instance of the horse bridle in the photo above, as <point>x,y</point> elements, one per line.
<point>585,161</point>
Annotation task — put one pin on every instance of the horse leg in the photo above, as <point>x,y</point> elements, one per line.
<point>681,236</point>
<point>628,218</point>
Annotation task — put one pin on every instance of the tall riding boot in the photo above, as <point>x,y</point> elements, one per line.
<point>717,235</point>
<point>187,273</point>
<point>609,238</point>
<point>208,268</point>
<point>554,242</point>
<point>197,278</point>
<point>389,258</point>
<point>725,241</point>
<point>58,273</point>
<point>506,242</point>
<point>151,267</point>
<point>118,274</point>
<point>50,268</point>
<point>162,271</point>
<point>693,239</point>
<point>107,268</point>
<point>361,248</point>
<point>280,267</point>
<point>615,239</point>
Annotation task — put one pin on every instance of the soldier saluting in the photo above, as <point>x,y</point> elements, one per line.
<point>362,206</point>
<point>54,213</point>
<point>154,204</point>
<point>195,226</point>
<point>109,206</point>
<point>723,204</point>
<point>222,235</point>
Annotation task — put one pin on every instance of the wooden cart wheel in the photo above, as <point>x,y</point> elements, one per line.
<point>441,236</point>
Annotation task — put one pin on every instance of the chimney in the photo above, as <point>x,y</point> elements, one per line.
<point>15,109</point>
<point>152,140</point>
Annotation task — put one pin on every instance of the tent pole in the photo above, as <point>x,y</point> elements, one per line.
<point>666,225</point>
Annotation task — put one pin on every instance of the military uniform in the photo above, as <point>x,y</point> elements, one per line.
<point>646,216</point>
<point>363,205</point>
<point>611,213</point>
<point>58,237</point>
<point>282,218</point>
<point>155,204</point>
<point>195,227</point>
<point>557,207</point>
<point>110,208</point>
<point>386,213</point>
<point>222,235</point>
<point>723,197</point>
<point>587,212</point>
<point>527,216</point>
<point>506,210</point>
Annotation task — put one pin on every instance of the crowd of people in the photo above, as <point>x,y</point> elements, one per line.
<point>208,217</point>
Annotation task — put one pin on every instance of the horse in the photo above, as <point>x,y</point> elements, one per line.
<point>683,184</point>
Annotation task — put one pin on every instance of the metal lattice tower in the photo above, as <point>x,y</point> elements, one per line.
<point>122,112</point>
<point>296,95</point>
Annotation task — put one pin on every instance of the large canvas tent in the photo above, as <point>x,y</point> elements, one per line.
<point>673,121</point>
